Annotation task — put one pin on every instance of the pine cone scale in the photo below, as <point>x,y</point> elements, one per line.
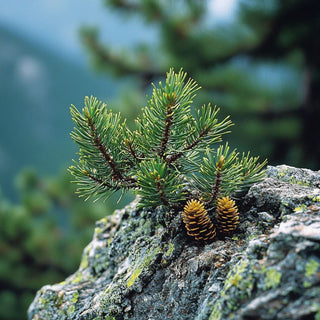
<point>227,215</point>
<point>197,221</point>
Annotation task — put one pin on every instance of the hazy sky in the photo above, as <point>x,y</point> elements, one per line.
<point>55,23</point>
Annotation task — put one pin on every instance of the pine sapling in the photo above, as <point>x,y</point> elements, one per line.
<point>174,152</point>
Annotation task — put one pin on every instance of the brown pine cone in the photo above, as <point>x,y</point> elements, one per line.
<point>197,221</point>
<point>227,215</point>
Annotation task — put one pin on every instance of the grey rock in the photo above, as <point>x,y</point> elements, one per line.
<point>142,265</point>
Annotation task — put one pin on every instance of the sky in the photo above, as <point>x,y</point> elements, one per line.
<point>55,23</point>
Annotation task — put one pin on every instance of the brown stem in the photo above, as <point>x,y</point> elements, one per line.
<point>215,189</point>
<point>161,193</point>
<point>106,184</point>
<point>116,174</point>
<point>178,155</point>
<point>167,125</point>
<point>131,150</point>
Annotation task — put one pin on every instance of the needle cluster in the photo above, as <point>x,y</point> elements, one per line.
<point>173,150</point>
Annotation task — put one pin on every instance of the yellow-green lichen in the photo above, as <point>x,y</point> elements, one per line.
<point>316,199</point>
<point>300,208</point>
<point>52,298</point>
<point>136,273</point>
<point>234,277</point>
<point>273,278</point>
<point>43,301</point>
<point>71,309</point>
<point>104,220</point>
<point>282,173</point>
<point>84,262</point>
<point>98,230</point>
<point>78,278</point>
<point>170,250</point>
<point>311,268</point>
<point>216,313</point>
<point>307,284</point>
<point>141,265</point>
<point>299,182</point>
<point>75,297</point>
<point>238,288</point>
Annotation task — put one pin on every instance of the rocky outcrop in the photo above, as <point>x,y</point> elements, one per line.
<point>142,265</point>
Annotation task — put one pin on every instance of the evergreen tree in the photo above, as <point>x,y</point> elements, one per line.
<point>278,117</point>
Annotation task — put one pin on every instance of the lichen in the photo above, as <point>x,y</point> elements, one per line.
<point>71,309</point>
<point>75,297</point>
<point>98,230</point>
<point>136,273</point>
<point>84,262</point>
<point>300,208</point>
<point>270,276</point>
<point>273,278</point>
<point>78,278</point>
<point>216,313</point>
<point>44,301</point>
<point>49,297</point>
<point>316,199</point>
<point>311,268</point>
<point>235,275</point>
<point>170,250</point>
<point>237,289</point>
<point>141,265</point>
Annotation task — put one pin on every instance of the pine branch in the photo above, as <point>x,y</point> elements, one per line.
<point>158,158</point>
<point>220,174</point>
<point>131,150</point>
<point>98,144</point>
<point>158,184</point>
<point>216,187</point>
<point>163,125</point>
<point>97,180</point>
<point>160,189</point>
<point>208,130</point>
<point>178,155</point>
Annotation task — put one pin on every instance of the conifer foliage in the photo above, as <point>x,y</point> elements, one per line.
<point>160,159</point>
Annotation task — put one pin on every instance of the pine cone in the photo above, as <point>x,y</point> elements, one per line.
<point>197,221</point>
<point>227,215</point>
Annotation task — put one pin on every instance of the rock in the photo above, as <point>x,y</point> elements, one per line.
<point>142,265</point>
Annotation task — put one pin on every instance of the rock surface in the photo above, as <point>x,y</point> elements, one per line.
<point>136,268</point>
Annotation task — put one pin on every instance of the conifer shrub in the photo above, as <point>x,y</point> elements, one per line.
<point>174,154</point>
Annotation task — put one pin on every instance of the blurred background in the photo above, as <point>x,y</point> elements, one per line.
<point>257,60</point>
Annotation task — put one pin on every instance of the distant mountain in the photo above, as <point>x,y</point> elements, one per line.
<point>36,90</point>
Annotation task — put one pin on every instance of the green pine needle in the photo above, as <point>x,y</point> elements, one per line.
<point>160,159</point>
